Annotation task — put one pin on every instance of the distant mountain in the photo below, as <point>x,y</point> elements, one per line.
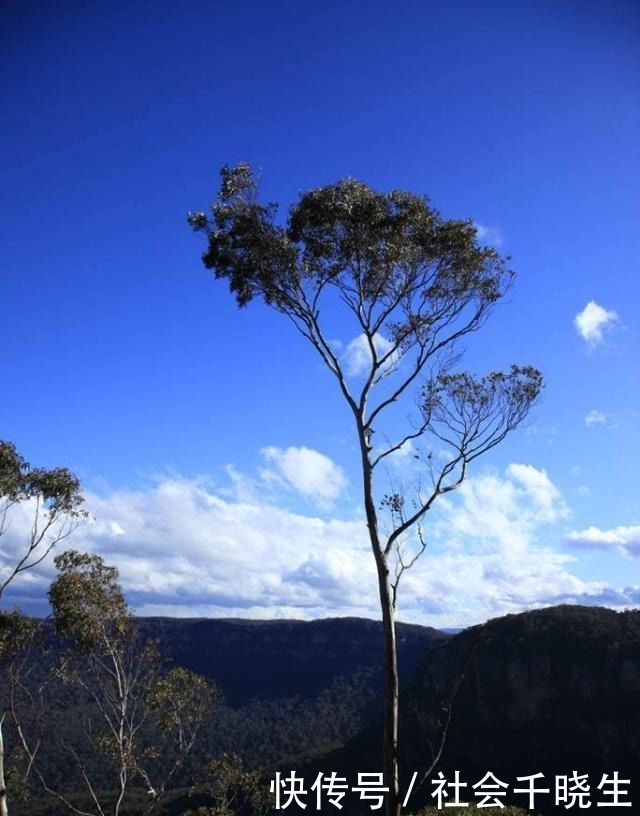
<point>554,691</point>
<point>283,658</point>
<point>291,688</point>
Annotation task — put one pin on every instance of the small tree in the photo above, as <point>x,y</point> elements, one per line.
<point>22,655</point>
<point>233,790</point>
<point>140,721</point>
<point>54,501</point>
<point>55,505</point>
<point>412,286</point>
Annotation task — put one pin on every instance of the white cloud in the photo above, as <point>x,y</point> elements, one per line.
<point>625,539</point>
<point>188,547</point>
<point>595,417</point>
<point>491,559</point>
<point>501,512</point>
<point>356,357</point>
<point>306,470</point>
<point>404,453</point>
<point>537,489</point>
<point>488,235</point>
<point>592,321</point>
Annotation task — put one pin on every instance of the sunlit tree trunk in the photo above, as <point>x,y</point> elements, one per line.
<point>391,699</point>
<point>390,661</point>
<point>4,810</point>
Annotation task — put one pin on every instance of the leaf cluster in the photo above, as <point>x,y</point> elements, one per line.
<point>233,790</point>
<point>58,488</point>
<point>54,498</point>
<point>375,248</point>
<point>87,601</point>
<point>472,414</point>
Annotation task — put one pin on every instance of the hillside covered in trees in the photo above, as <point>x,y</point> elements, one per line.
<point>551,691</point>
<point>554,691</point>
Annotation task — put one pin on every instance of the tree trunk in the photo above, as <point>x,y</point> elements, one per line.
<point>391,691</point>
<point>4,810</point>
<point>390,747</point>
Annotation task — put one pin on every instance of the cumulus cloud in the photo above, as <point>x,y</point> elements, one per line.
<point>490,557</point>
<point>624,539</point>
<point>356,357</point>
<point>309,472</point>
<point>183,549</point>
<point>495,511</point>
<point>595,417</point>
<point>534,487</point>
<point>191,547</point>
<point>592,321</point>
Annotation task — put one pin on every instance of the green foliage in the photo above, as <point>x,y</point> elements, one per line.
<point>16,779</point>
<point>180,695</point>
<point>471,414</point>
<point>21,639</point>
<point>17,633</point>
<point>87,601</point>
<point>135,722</point>
<point>178,704</point>
<point>55,498</point>
<point>385,245</point>
<point>58,488</point>
<point>233,790</point>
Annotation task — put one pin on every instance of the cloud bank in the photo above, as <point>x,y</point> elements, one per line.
<point>190,547</point>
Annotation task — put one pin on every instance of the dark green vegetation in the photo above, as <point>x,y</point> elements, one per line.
<point>255,658</point>
<point>390,272</point>
<point>134,719</point>
<point>53,503</point>
<point>550,691</point>
<point>330,678</point>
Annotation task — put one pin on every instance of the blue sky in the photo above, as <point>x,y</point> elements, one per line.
<point>215,453</point>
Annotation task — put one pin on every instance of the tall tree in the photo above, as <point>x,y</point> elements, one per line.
<point>53,500</point>
<point>412,285</point>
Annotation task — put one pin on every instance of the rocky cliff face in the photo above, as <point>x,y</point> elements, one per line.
<point>552,691</point>
<point>250,658</point>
